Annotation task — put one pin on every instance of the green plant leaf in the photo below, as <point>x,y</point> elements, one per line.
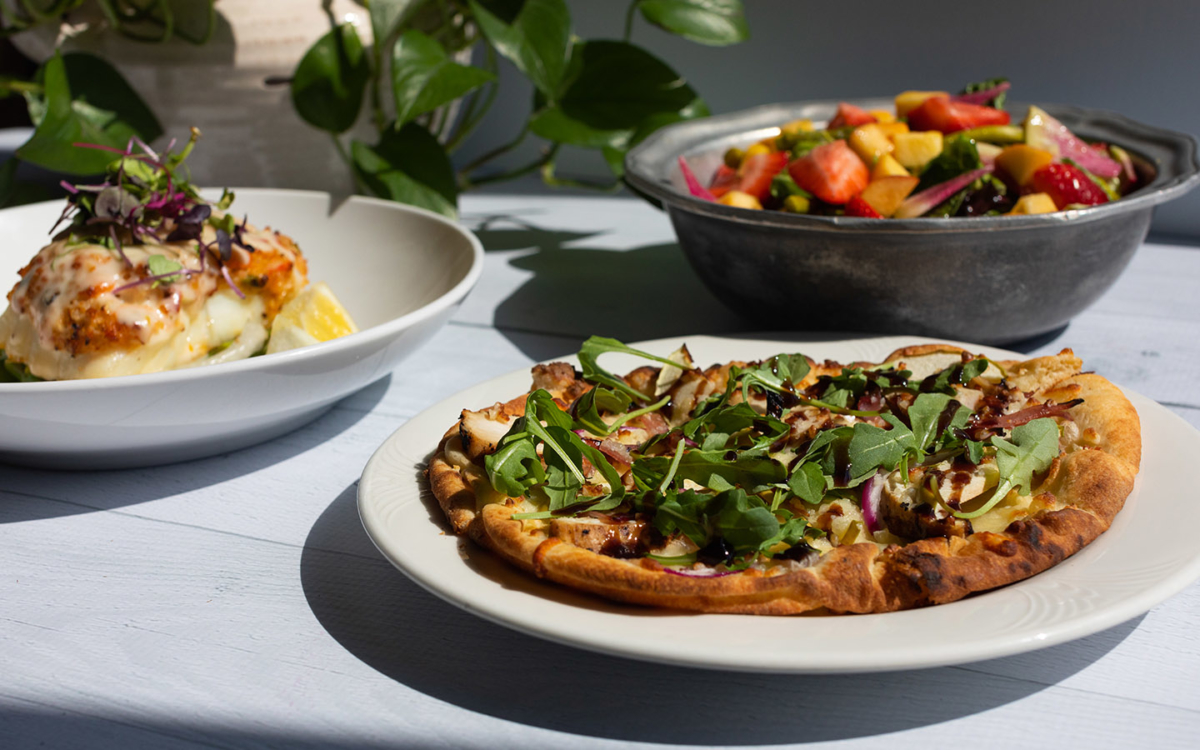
<point>329,82</point>
<point>424,77</point>
<point>555,125</point>
<point>618,95</point>
<point>715,22</point>
<point>85,100</point>
<point>387,15</point>
<point>619,86</point>
<point>536,38</point>
<point>409,166</point>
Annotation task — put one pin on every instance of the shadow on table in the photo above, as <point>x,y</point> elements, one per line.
<point>31,494</point>
<point>643,293</point>
<point>579,288</point>
<point>397,628</point>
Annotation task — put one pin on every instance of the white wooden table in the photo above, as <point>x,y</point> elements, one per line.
<point>236,601</point>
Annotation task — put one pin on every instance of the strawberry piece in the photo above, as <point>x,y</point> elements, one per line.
<point>757,172</point>
<point>859,207</point>
<point>724,180</point>
<point>832,172</point>
<point>944,115</point>
<point>1067,185</point>
<point>849,116</point>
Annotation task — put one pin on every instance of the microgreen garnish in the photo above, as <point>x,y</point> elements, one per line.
<point>145,199</point>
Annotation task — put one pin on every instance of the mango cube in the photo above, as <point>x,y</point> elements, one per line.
<point>1036,203</point>
<point>915,150</point>
<point>881,115</point>
<point>870,142</point>
<point>892,128</point>
<point>887,193</point>
<point>887,166</point>
<point>910,100</point>
<point>738,199</point>
<point>1021,161</point>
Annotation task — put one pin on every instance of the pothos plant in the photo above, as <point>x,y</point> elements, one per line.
<point>424,103</point>
<point>81,98</point>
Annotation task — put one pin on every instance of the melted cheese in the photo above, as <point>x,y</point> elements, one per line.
<point>74,314</point>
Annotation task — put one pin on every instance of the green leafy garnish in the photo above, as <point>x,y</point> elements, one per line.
<point>590,352</point>
<point>1033,447</point>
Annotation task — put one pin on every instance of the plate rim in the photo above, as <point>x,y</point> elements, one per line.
<point>1070,628</point>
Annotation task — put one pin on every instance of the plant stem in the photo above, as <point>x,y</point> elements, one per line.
<point>472,117</point>
<point>554,180</point>
<point>542,161</point>
<point>341,149</point>
<point>629,19</point>
<point>498,151</point>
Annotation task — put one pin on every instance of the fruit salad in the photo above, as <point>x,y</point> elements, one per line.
<point>935,155</point>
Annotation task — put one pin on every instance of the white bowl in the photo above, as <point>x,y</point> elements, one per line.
<point>400,271</point>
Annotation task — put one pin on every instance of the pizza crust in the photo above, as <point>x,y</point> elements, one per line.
<point>1083,491</point>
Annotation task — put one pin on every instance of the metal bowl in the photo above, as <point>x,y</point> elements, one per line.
<point>993,280</point>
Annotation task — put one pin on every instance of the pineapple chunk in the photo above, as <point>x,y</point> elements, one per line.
<point>796,127</point>
<point>917,149</point>
<point>892,128</point>
<point>910,100</point>
<point>870,142</point>
<point>887,193</point>
<point>881,115</point>
<point>1037,203</point>
<point>887,166</point>
<point>755,150</point>
<point>738,199</point>
<point>1021,161</point>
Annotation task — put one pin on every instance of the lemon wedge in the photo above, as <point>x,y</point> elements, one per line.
<point>312,316</point>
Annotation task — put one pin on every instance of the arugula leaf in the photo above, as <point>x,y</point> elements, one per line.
<point>562,485</point>
<point>1034,447</point>
<point>924,415</point>
<point>872,447</point>
<point>956,374</point>
<point>515,465</point>
<point>685,512</point>
<point>793,532</point>
<point>974,451</point>
<point>808,483</point>
<point>712,470</point>
<point>745,521</point>
<point>958,156</point>
<point>594,373</point>
<point>587,408</point>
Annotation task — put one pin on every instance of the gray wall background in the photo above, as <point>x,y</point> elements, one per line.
<point>1138,58</point>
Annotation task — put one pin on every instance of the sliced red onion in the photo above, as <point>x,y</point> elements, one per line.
<point>925,201</point>
<point>701,574</point>
<point>694,186</point>
<point>982,97</point>
<point>872,491</point>
<point>1045,132</point>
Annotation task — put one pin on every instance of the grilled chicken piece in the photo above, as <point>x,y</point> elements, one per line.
<point>625,539</point>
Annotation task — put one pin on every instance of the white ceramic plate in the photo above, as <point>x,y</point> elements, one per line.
<point>400,271</point>
<point>1143,559</point>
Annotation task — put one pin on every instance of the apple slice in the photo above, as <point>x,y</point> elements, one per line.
<point>887,193</point>
<point>1021,161</point>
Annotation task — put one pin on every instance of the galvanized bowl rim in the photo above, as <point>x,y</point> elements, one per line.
<point>648,164</point>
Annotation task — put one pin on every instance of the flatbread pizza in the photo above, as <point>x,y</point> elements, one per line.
<point>787,485</point>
